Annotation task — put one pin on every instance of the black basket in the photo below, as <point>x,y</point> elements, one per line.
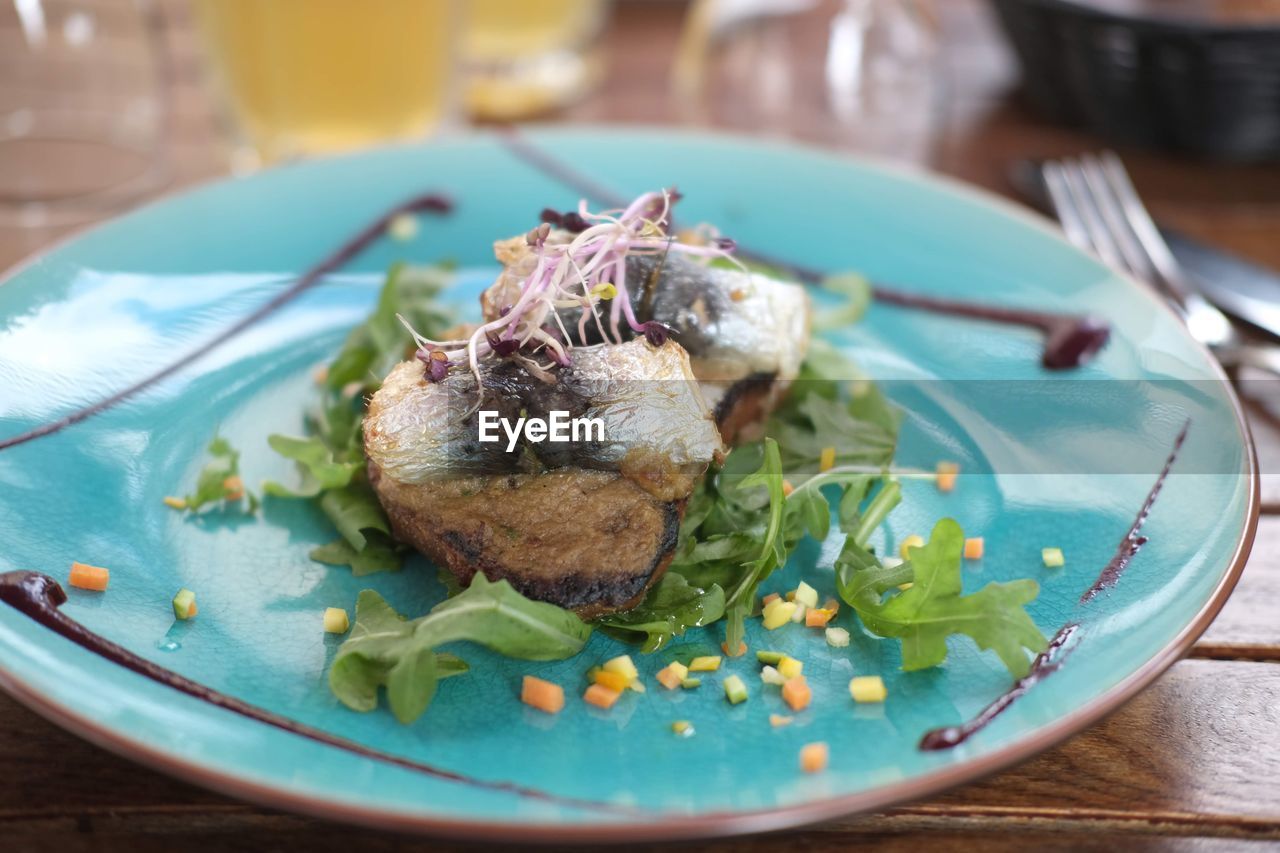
<point>1207,90</point>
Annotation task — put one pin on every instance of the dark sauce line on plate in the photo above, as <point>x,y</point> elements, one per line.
<point>1070,340</point>
<point>39,597</point>
<point>432,202</point>
<point>1045,664</point>
<point>1134,540</point>
<point>1052,658</point>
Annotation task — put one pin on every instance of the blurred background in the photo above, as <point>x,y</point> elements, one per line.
<point>105,103</point>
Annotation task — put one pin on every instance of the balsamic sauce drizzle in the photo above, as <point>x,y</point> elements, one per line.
<point>1134,540</point>
<point>1045,664</point>
<point>1048,661</point>
<point>1070,340</point>
<point>40,596</point>
<point>432,202</point>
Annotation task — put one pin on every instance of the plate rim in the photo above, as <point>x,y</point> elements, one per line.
<point>666,827</point>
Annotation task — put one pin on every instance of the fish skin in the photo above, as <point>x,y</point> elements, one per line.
<point>418,432</point>
<point>738,327</point>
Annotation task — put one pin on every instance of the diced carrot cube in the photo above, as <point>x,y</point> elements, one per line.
<point>796,693</point>
<point>84,576</point>
<point>817,618</point>
<point>601,696</point>
<point>787,488</point>
<point>773,596</point>
<point>543,695</point>
<point>612,680</point>
<point>669,678</point>
<point>175,503</point>
<point>814,757</point>
<point>742,649</point>
<point>946,481</point>
<point>778,720</point>
<point>233,488</point>
<point>973,548</point>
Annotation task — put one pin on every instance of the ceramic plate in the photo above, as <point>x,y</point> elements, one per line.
<point>1051,459</point>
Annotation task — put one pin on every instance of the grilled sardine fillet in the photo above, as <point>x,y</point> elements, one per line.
<point>746,333</point>
<point>588,524</point>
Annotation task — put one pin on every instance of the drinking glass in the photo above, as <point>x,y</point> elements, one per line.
<point>853,73</point>
<point>82,115</point>
<point>306,77</point>
<point>525,57</point>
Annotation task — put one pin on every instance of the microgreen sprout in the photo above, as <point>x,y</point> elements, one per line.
<point>578,265</point>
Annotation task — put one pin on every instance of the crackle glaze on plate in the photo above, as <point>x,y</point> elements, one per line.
<point>108,308</point>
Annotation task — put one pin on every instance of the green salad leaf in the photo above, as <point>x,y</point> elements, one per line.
<point>380,343</point>
<point>219,479</point>
<point>316,460</point>
<point>672,607</point>
<point>386,650</point>
<point>934,608</point>
<point>330,459</point>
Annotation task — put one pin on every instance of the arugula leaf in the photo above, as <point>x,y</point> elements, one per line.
<point>380,343</point>
<point>331,459</point>
<point>385,650</point>
<point>934,608</point>
<point>671,607</point>
<point>376,556</point>
<point>320,469</point>
<point>219,480</point>
<point>861,430</point>
<point>773,549</point>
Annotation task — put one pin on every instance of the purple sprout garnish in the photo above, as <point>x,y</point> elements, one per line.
<point>437,364</point>
<point>574,269</point>
<point>656,333</point>
<point>502,347</point>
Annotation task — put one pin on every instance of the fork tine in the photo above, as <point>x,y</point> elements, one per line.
<point>1103,243</point>
<point>1064,206</point>
<point>1111,208</point>
<point>1143,226</point>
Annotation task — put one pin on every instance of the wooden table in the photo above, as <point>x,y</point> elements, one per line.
<point>1192,762</point>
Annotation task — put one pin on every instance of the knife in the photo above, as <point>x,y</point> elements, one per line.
<point>1245,290</point>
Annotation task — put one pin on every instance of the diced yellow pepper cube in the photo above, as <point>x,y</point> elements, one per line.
<point>778,614</point>
<point>612,680</point>
<point>867,688</point>
<point>684,728</point>
<point>827,460</point>
<point>622,665</point>
<point>789,667</point>
<point>1053,558</point>
<point>706,663</point>
<point>335,620</point>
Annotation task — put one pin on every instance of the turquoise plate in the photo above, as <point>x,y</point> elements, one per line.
<point>1053,459</point>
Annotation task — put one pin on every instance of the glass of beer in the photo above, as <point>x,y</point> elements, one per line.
<point>305,77</point>
<point>524,57</point>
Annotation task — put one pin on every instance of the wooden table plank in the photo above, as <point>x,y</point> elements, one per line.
<point>1215,782</point>
<point>1249,624</point>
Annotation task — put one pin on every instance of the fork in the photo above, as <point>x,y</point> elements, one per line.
<point>1102,213</point>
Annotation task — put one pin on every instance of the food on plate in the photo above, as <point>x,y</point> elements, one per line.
<point>746,331</point>
<point>587,524</point>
